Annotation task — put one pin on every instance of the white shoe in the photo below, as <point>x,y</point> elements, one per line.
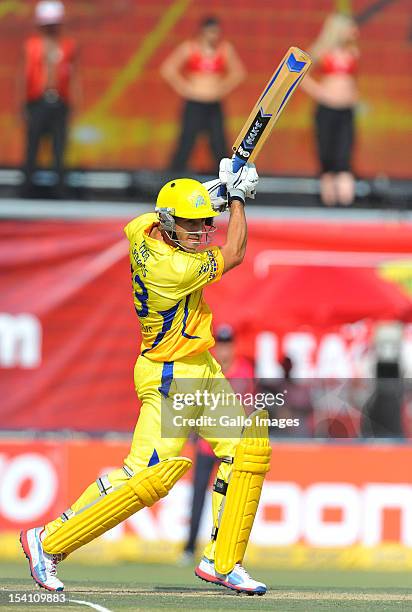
<point>237,580</point>
<point>42,565</point>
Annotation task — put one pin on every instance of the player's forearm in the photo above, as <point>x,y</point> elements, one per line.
<point>237,229</point>
<point>234,248</point>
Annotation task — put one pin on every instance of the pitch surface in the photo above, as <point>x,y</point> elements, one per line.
<point>127,587</point>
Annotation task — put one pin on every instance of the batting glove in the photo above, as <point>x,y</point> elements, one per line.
<point>241,184</point>
<point>218,199</point>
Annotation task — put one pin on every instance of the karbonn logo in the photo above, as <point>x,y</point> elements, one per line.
<point>20,341</point>
<point>28,487</point>
<point>332,514</point>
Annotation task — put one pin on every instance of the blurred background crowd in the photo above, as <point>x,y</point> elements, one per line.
<point>147,87</point>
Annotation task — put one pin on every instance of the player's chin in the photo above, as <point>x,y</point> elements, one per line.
<point>193,245</point>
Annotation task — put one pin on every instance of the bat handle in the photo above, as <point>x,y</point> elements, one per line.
<point>237,163</point>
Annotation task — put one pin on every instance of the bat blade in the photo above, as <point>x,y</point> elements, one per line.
<point>267,110</point>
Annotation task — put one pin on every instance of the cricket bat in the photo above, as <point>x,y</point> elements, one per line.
<point>268,108</point>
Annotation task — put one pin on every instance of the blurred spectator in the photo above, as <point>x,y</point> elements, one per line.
<point>298,403</point>
<point>382,414</point>
<point>47,86</point>
<point>239,371</point>
<point>336,54</point>
<point>202,71</point>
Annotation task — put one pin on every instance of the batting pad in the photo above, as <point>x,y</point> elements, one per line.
<point>142,490</point>
<point>251,462</point>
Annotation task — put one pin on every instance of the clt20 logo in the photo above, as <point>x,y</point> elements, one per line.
<point>241,151</point>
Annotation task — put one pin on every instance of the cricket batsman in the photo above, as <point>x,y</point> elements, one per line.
<point>171,262</point>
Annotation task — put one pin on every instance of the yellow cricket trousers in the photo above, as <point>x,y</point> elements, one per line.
<point>156,436</point>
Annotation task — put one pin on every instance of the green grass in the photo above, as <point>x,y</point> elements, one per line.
<point>127,587</point>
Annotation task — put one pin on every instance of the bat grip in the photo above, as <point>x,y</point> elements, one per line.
<point>237,163</point>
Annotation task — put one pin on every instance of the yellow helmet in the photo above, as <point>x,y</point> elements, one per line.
<point>185,198</point>
<point>188,199</point>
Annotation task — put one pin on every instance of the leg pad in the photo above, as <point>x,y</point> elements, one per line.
<point>252,461</point>
<point>142,490</point>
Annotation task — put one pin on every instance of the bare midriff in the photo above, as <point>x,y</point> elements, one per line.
<point>339,91</point>
<point>205,87</point>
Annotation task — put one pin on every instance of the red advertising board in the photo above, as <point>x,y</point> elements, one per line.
<point>318,496</point>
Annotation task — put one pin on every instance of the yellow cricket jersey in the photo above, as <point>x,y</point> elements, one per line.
<point>167,288</point>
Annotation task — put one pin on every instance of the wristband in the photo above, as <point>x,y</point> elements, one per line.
<point>237,194</point>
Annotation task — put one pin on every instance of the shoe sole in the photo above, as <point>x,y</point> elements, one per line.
<point>26,549</point>
<point>206,578</point>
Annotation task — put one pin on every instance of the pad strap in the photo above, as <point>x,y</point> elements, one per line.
<point>129,473</point>
<point>66,515</point>
<point>103,484</point>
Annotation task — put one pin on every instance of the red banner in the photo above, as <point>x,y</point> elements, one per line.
<point>324,505</point>
<point>69,334</point>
